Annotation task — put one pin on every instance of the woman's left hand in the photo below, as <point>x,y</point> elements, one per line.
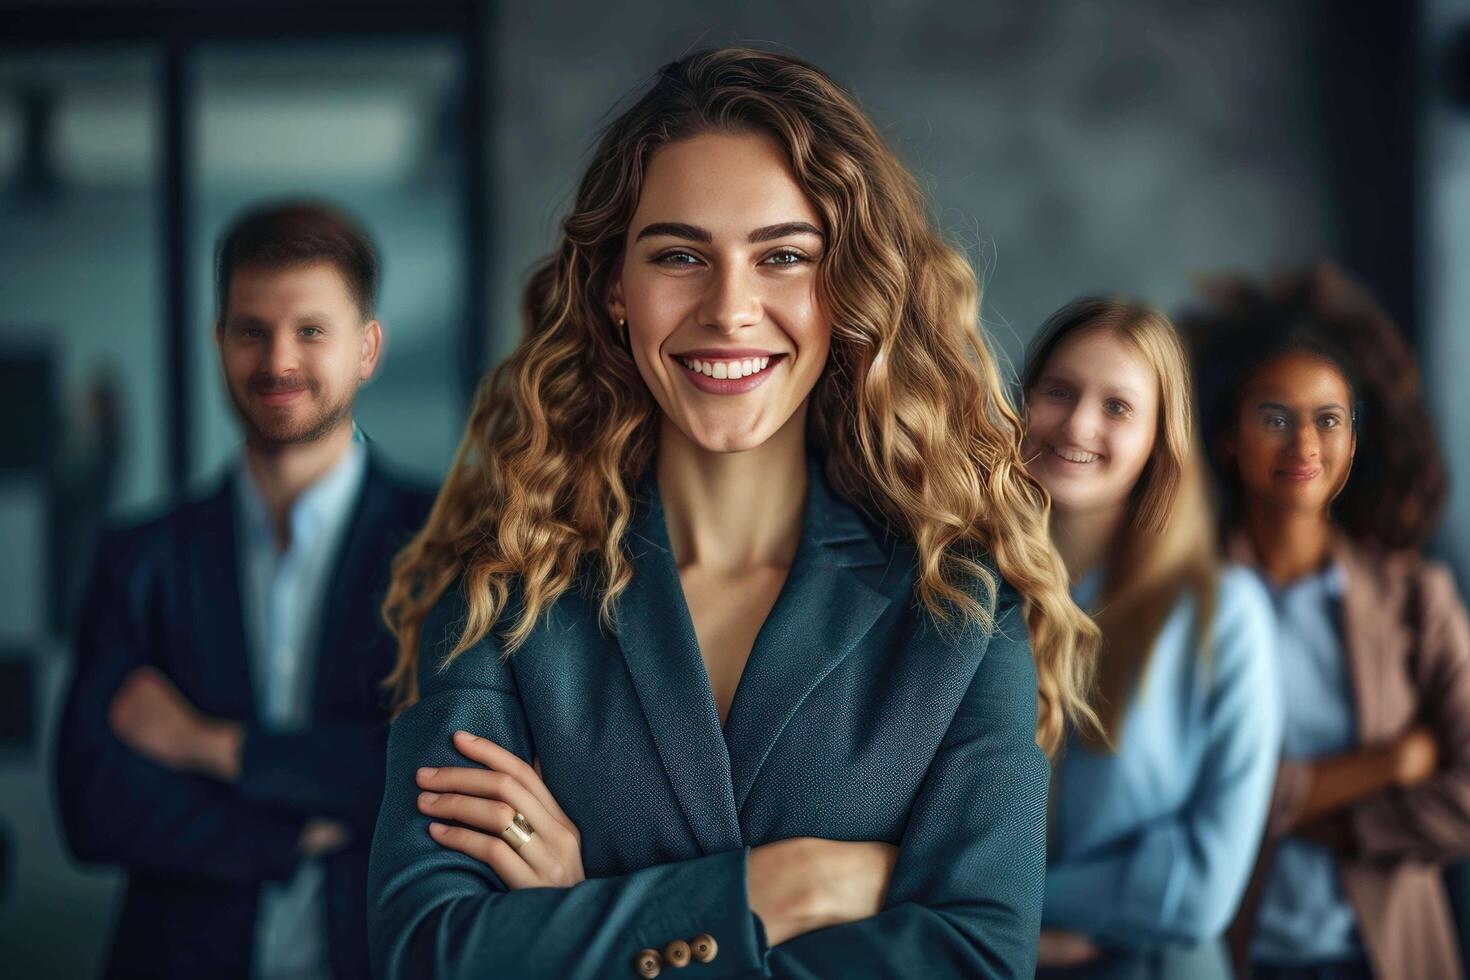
<point>481,803</point>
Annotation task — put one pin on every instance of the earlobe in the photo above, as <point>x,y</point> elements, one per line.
<point>372,348</point>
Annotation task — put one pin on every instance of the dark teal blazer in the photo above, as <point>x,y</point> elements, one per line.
<point>856,719</point>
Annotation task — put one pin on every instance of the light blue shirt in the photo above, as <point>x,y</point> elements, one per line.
<point>1153,844</point>
<point>282,594</point>
<point>1304,913</point>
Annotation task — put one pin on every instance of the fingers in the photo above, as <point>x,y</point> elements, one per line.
<point>490,785</point>
<point>488,816</point>
<point>494,756</point>
<point>499,855</point>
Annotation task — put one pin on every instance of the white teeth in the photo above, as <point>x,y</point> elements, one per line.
<point>733,370</point>
<point>1076,455</point>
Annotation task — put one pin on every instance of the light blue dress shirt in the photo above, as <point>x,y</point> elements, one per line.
<point>1304,913</point>
<point>1153,844</point>
<point>282,593</point>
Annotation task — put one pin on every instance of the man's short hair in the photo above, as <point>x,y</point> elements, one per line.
<point>289,234</point>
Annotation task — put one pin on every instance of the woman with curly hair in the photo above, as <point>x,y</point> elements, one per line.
<point>735,628</point>
<point>1373,644</point>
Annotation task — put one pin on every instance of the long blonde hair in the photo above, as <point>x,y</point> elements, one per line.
<point>910,410</point>
<point>1165,546</point>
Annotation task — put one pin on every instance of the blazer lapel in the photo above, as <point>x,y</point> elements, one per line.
<point>351,588</point>
<point>212,569</point>
<point>826,607</point>
<point>1362,627</point>
<point>662,653</point>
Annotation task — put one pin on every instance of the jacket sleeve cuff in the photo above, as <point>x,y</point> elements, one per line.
<point>706,896</point>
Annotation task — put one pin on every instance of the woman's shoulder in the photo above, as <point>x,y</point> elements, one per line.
<point>1396,577</point>
<point>478,665</point>
<point>1243,628</point>
<point>1239,592</point>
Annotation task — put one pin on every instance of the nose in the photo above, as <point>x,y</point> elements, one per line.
<point>1305,442</point>
<point>281,356</point>
<point>732,300</point>
<point>1080,426</point>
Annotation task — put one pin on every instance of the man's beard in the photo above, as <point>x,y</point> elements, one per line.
<point>278,433</point>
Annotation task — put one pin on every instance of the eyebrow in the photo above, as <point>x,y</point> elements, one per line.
<point>693,233</point>
<point>1264,406</point>
<point>1115,391</point>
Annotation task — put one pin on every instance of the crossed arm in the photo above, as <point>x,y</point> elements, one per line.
<point>147,781</point>
<point>963,896</point>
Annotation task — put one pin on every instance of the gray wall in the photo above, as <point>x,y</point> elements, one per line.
<point>1070,147</point>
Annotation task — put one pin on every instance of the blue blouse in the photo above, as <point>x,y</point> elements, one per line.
<point>1304,914</point>
<point>1153,844</point>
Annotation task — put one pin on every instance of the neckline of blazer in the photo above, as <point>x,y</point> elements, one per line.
<point>840,583</point>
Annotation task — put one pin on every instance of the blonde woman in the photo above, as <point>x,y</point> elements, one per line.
<point>740,552</point>
<point>1157,820</point>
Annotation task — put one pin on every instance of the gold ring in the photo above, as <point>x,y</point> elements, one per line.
<point>518,833</point>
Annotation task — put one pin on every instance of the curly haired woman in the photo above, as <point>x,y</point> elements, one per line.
<point>735,629</point>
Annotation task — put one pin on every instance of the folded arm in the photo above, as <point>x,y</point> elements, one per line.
<point>120,808</point>
<point>1179,878</point>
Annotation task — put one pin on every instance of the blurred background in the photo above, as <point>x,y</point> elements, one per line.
<point>1069,147</point>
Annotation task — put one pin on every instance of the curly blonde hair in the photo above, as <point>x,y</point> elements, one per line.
<point>910,409</point>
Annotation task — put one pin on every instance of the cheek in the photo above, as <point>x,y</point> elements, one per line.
<point>1129,457</point>
<point>1042,420</point>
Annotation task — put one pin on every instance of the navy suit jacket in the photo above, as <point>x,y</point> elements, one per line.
<point>196,850</point>
<point>856,718</point>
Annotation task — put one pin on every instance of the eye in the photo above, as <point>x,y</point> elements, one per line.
<point>1117,408</point>
<point>1274,422</point>
<point>676,258</point>
<point>1329,421</point>
<point>312,332</point>
<point>786,256</point>
<point>1057,392</point>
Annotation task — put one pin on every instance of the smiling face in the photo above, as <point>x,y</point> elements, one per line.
<point>1293,441</point>
<point>718,286</point>
<point>294,348</point>
<point>1091,419</point>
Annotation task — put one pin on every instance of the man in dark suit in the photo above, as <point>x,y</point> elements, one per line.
<point>224,736</point>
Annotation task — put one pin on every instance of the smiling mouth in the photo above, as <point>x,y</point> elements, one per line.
<point>1300,475</point>
<point>1075,456</point>
<point>732,370</point>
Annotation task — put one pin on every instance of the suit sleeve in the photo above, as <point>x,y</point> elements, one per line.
<point>434,912</point>
<point>119,808</point>
<point>325,770</point>
<point>1430,821</point>
<point>965,900</point>
<point>1179,879</point>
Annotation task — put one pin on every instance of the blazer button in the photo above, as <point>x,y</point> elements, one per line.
<point>676,953</point>
<point>648,964</point>
<point>704,947</point>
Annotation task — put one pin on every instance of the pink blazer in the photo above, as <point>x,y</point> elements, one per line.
<point>1407,641</point>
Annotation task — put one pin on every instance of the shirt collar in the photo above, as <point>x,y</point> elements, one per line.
<point>317,506</point>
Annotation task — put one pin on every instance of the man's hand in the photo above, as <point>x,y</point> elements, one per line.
<point>321,836</point>
<point>1060,949</point>
<point>153,719</point>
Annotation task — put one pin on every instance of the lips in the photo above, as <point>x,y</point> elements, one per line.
<point>1300,474</point>
<point>1073,456</point>
<point>727,372</point>
<point>277,396</point>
